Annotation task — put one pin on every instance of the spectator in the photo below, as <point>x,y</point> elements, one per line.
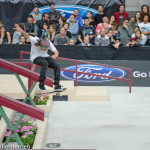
<point>135,29</point>
<point>61,39</point>
<point>136,20</point>
<point>30,27</point>
<point>92,37</point>
<point>145,25</point>
<point>148,41</point>
<point>22,40</point>
<point>86,42</point>
<point>113,23</point>
<point>61,21</point>
<point>144,10</point>
<point>110,35</point>
<point>78,19</point>
<point>105,25</point>
<point>39,23</point>
<point>1,24</point>
<point>121,15</point>
<point>116,43</point>
<point>102,39</point>
<point>71,41</point>
<point>5,37</point>
<point>53,16</point>
<point>140,38</point>
<point>91,19</point>
<point>125,32</point>
<point>16,35</point>
<point>99,16</point>
<point>51,33</point>
<point>133,43</point>
<point>73,28</point>
<point>66,26</point>
<point>36,15</point>
<point>45,29</point>
<point>85,30</point>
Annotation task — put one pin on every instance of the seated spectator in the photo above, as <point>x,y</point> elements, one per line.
<point>100,15</point>
<point>73,28</point>
<point>71,41</point>
<point>135,29</point>
<point>105,25</point>
<point>61,22</point>
<point>66,26</point>
<point>102,39</point>
<point>51,33</point>
<point>36,15</point>
<point>5,37</point>
<point>136,20</point>
<point>91,19</point>
<point>1,24</point>
<point>92,37</point>
<point>113,23</point>
<point>45,29</point>
<point>86,42</point>
<point>121,15</point>
<point>53,16</point>
<point>145,25</point>
<point>125,32</point>
<point>144,10</point>
<point>133,43</point>
<point>30,27</point>
<point>16,35</point>
<point>110,35</point>
<point>140,38</point>
<point>39,23</point>
<point>85,30</point>
<point>22,40</point>
<point>116,43</point>
<point>61,39</point>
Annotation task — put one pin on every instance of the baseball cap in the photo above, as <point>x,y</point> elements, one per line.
<point>44,42</point>
<point>91,33</point>
<point>132,39</point>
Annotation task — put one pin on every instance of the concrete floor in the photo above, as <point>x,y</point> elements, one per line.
<point>122,123</point>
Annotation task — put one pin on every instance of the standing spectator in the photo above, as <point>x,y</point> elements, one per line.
<point>145,10</point>
<point>16,35</point>
<point>61,39</point>
<point>61,22</point>
<point>66,26</point>
<point>53,16</point>
<point>140,38</point>
<point>136,21</point>
<point>30,27</point>
<point>85,30</point>
<point>105,25</point>
<point>22,40</point>
<point>91,19</point>
<point>5,37</point>
<point>73,28</point>
<point>99,16</point>
<point>51,33</point>
<point>71,41</point>
<point>39,23</point>
<point>145,25</point>
<point>86,42</point>
<point>36,15</point>
<point>121,15</point>
<point>45,29</point>
<point>1,24</point>
<point>102,39</point>
<point>125,32</point>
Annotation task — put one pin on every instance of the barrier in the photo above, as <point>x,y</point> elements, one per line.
<point>77,72</point>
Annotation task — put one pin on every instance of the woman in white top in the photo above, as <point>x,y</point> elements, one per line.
<point>39,56</point>
<point>140,38</point>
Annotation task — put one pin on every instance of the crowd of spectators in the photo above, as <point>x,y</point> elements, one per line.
<point>118,30</point>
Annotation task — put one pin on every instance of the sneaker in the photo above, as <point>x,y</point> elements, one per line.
<point>58,88</point>
<point>41,86</point>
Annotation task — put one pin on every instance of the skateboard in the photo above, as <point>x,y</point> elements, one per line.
<point>49,92</point>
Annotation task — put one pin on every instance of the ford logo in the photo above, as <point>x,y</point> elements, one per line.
<point>94,69</point>
<point>66,10</point>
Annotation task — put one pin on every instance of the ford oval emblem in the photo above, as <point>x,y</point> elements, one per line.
<point>94,69</point>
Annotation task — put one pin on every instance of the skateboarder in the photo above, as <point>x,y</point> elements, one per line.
<point>39,56</point>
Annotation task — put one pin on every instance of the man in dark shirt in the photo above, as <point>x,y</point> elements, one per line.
<point>85,30</point>
<point>99,16</point>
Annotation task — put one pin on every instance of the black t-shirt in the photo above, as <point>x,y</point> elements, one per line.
<point>93,24</point>
<point>84,31</point>
<point>99,18</point>
<point>68,34</point>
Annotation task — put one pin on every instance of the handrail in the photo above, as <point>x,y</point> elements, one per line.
<point>77,72</point>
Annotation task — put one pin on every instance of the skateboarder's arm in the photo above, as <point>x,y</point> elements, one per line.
<point>56,53</point>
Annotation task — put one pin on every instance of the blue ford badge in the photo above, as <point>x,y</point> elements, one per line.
<point>94,69</point>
